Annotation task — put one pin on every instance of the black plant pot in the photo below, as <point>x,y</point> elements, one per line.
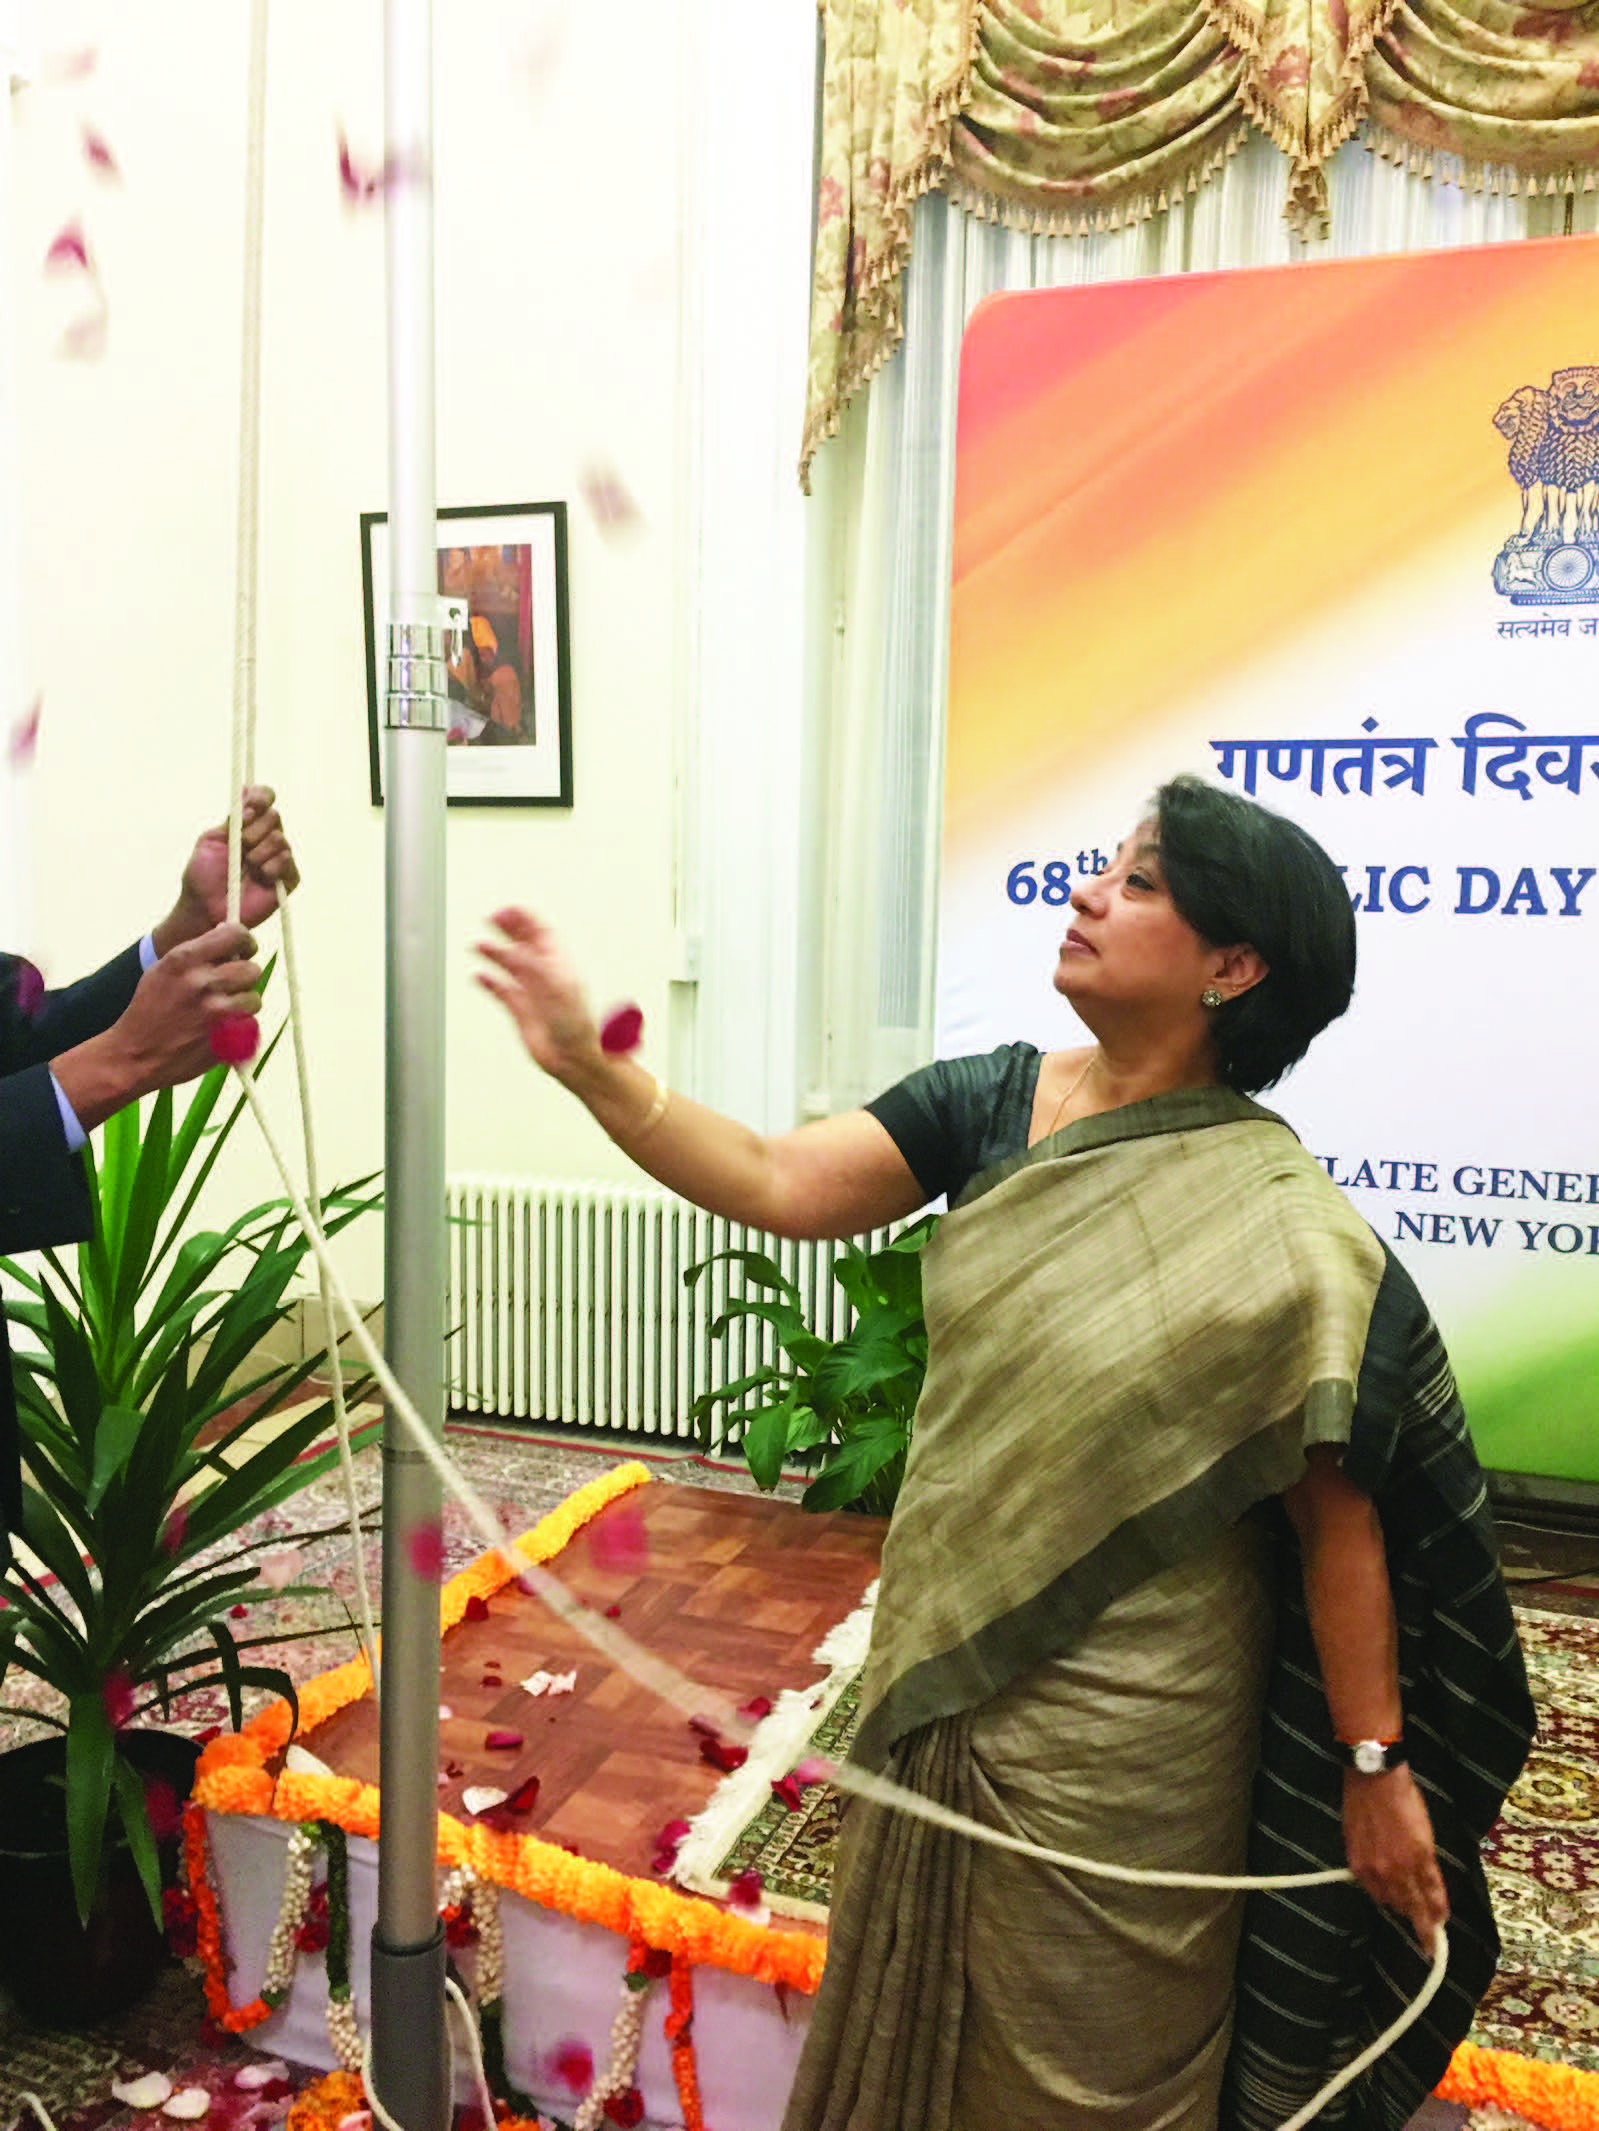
<point>57,1971</point>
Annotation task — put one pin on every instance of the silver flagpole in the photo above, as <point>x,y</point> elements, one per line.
<point>410,2055</point>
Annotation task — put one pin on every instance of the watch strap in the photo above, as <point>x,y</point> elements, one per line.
<point>1372,1757</point>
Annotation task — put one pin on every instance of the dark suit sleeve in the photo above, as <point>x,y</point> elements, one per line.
<point>43,1194</point>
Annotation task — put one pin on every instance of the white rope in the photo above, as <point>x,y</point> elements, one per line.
<point>366,1630</point>
<point>462,2005</point>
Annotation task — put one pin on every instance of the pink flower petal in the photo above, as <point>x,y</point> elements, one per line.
<point>85,338</point>
<point>424,1549</point>
<point>98,154</point>
<point>746,1890</point>
<point>177,1523</point>
<point>571,2065</point>
<point>815,1768</point>
<point>622,1030</point>
<point>788,1789</point>
<point>235,1038</point>
<point>613,508</point>
<point>758,1706</point>
<point>28,989</point>
<point>116,1693</point>
<point>278,1569</point>
<point>25,735</point>
<point>503,1742</point>
<point>68,248</point>
<point>617,1542</point>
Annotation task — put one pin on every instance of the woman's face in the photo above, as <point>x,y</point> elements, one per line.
<point>1128,947</point>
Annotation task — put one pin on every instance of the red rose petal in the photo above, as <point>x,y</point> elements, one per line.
<point>613,1613</point>
<point>571,2065</point>
<point>116,1692</point>
<point>524,1798</point>
<point>453,1769</point>
<point>28,990</point>
<point>68,248</point>
<point>657,1961</point>
<point>745,1890</point>
<point>617,1543</point>
<point>759,1706</point>
<point>94,147</point>
<point>721,1754</point>
<point>626,2108</point>
<point>503,1742</point>
<point>25,735</point>
<point>491,1679</point>
<point>622,1030</point>
<point>476,1609</point>
<point>235,1038</point>
<point>788,1789</point>
<point>704,1726</point>
<point>424,1549</point>
<point>173,1530</point>
<point>237,1612</point>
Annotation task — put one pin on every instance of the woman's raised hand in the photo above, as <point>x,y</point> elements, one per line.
<point>533,982</point>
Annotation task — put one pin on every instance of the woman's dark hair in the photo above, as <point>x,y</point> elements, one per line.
<point>1243,876</point>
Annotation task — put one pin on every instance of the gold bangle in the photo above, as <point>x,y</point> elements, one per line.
<point>656,1110</point>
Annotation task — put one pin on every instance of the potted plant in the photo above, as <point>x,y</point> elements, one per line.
<point>842,1407</point>
<point>135,1489</point>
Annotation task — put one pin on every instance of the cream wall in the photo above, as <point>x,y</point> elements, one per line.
<point>587,234</point>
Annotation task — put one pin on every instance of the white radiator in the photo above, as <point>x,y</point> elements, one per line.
<point>566,1303</point>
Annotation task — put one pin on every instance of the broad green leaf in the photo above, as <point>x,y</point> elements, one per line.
<point>786,1322</point>
<point>47,1536</point>
<point>755,1266</point>
<point>90,1753</point>
<point>853,1466</point>
<point>766,1442</point>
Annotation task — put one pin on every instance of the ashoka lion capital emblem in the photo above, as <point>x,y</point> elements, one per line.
<point>1553,437</point>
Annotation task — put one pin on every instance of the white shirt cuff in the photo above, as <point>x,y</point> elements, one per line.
<point>148,957</point>
<point>76,1136</point>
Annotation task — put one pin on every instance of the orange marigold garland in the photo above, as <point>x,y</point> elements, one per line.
<point>1557,2096</point>
<point>237,2020</point>
<point>680,2034</point>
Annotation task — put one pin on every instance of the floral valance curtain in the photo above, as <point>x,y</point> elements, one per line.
<point>1065,116</point>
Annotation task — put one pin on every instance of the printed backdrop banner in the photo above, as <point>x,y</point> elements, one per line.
<point>1328,535</point>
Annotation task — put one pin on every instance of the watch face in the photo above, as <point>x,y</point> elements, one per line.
<point>1371,1757</point>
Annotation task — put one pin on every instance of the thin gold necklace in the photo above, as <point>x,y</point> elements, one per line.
<point>1070,1092</point>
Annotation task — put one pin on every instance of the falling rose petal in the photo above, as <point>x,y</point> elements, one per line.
<point>68,247</point>
<point>814,1769</point>
<point>622,1030</point>
<point>705,1726</point>
<point>278,1569</point>
<point>571,2065</point>
<point>98,154</point>
<point>453,1769</point>
<point>116,1693</point>
<point>617,1542</point>
<point>613,508</point>
<point>352,183</point>
<point>788,1789</point>
<point>164,1807</point>
<point>503,1742</point>
<point>237,1612</point>
<point>613,1613</point>
<point>235,1038</point>
<point>525,1797</point>
<point>758,1706</point>
<point>476,1609</point>
<point>443,1780</point>
<point>85,339</point>
<point>148,2092</point>
<point>424,1549</point>
<point>745,1889</point>
<point>173,1530</point>
<point>626,2108</point>
<point>723,1755</point>
<point>24,741</point>
<point>28,989</point>
<point>482,1797</point>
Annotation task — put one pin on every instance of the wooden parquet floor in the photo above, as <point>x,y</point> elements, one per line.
<point>736,1590</point>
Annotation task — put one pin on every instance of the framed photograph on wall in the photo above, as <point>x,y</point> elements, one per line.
<point>510,735</point>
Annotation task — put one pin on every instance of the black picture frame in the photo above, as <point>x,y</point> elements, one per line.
<point>511,728</point>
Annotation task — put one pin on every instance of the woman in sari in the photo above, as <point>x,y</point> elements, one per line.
<point>1191,1569</point>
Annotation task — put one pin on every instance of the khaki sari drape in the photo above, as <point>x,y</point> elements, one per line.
<point>1134,1333</point>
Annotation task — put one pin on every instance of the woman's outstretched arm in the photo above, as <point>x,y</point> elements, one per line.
<point>838,1177</point>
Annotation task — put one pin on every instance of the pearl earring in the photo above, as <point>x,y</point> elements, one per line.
<point>1211,997</point>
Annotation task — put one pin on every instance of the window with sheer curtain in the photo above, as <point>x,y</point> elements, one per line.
<point>883,492</point>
